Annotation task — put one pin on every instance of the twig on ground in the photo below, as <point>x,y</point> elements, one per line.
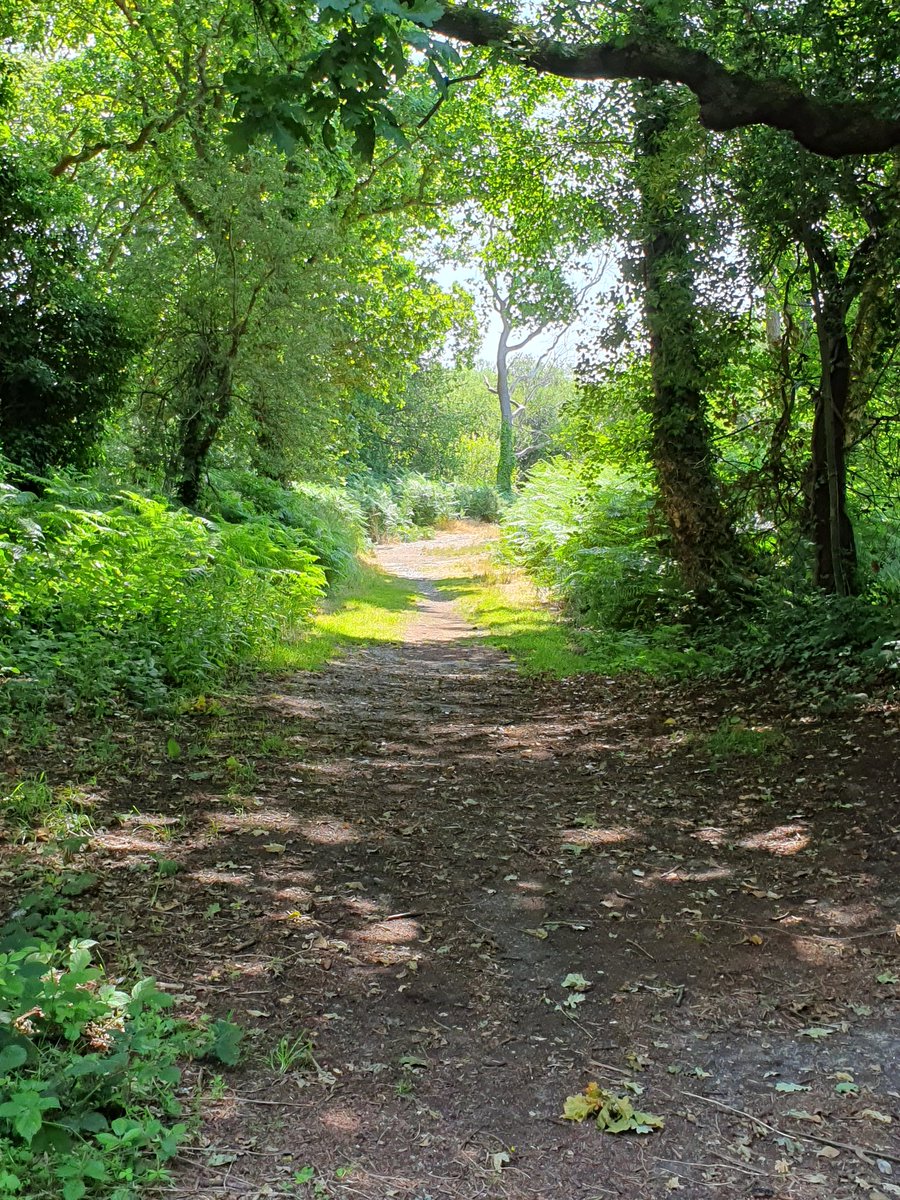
<point>606,1067</point>
<point>859,1151</point>
<point>637,946</point>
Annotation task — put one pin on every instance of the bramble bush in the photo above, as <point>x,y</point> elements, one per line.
<point>89,1068</point>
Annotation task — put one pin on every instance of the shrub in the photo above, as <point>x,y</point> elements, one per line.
<point>426,502</point>
<point>480,502</point>
<point>88,1069</point>
<point>400,509</point>
<point>325,520</point>
<point>64,345</point>
<point>587,536</point>
<point>385,519</point>
<point>111,596</point>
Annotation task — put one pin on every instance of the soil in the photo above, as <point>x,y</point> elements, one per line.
<point>426,843</point>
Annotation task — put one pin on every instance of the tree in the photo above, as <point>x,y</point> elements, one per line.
<point>64,346</point>
<point>838,224</point>
<point>713,51</point>
<point>263,275</point>
<point>699,527</point>
<point>529,241</point>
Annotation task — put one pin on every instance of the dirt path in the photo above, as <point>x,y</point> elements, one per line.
<point>443,842</point>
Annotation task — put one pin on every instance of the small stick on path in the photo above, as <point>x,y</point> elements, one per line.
<point>637,946</point>
<point>859,1151</point>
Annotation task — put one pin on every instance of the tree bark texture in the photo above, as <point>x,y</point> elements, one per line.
<point>728,99</point>
<point>210,391</point>
<point>832,530</point>
<point>506,460</point>
<point>700,531</point>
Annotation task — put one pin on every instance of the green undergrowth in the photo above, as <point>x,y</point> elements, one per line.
<point>518,619</point>
<point>92,1100</point>
<point>120,598</point>
<point>531,634</point>
<point>734,739</point>
<point>586,535</point>
<point>370,607</point>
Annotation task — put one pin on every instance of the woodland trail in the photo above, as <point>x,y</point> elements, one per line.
<point>446,841</point>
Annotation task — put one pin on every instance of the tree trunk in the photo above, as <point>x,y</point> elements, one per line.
<point>506,461</point>
<point>832,531</point>
<point>700,531</point>
<point>210,377</point>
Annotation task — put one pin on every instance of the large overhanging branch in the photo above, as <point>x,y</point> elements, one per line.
<point>728,99</point>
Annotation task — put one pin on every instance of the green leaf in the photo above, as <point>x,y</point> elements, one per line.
<point>226,1043</point>
<point>12,1057</point>
<point>578,1108</point>
<point>424,12</point>
<point>25,1109</point>
<point>577,981</point>
<point>791,1087</point>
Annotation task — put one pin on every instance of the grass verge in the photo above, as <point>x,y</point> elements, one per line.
<point>371,607</point>
<point>520,619</point>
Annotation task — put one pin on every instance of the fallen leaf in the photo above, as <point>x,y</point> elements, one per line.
<point>577,981</point>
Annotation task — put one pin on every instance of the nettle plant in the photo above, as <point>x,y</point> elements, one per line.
<point>89,1074</point>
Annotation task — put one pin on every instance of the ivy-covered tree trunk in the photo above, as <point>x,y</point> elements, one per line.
<point>506,461</point>
<point>208,384</point>
<point>832,530</point>
<point>700,531</point>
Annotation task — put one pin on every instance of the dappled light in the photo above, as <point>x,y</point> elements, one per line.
<point>782,840</point>
<point>686,875</point>
<point>329,831</point>
<point>389,933</point>
<point>341,1119</point>
<point>268,820</point>
<point>449,600</point>
<point>598,837</point>
<point>713,835</point>
<point>429,892</point>
<point>230,878</point>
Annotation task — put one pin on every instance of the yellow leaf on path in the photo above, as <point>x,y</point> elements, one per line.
<point>274,848</point>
